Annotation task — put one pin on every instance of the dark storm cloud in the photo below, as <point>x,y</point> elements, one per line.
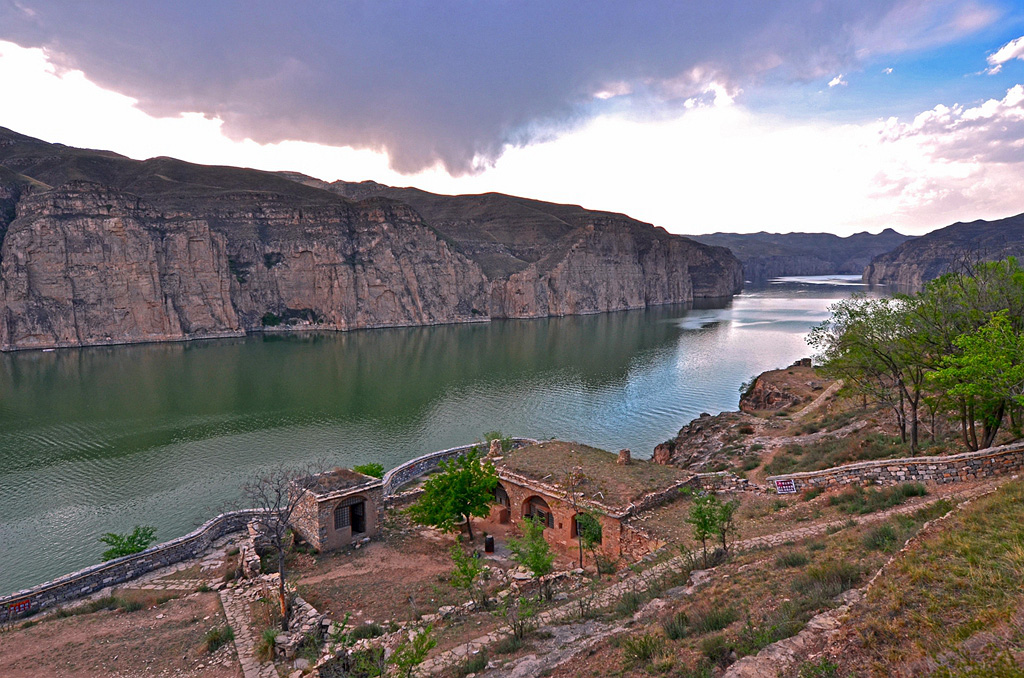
<point>443,80</point>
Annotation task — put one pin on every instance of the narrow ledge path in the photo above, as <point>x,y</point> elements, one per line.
<point>238,617</point>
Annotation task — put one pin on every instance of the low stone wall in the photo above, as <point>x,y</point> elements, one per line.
<point>720,481</point>
<point>414,468</point>
<point>91,579</point>
<point>947,469</point>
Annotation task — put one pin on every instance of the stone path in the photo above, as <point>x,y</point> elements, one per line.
<point>236,610</point>
<point>644,580</point>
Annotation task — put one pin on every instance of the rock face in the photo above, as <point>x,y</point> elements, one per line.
<point>914,263</point>
<point>96,248</point>
<point>771,255</point>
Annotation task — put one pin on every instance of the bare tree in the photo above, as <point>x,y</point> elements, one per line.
<point>572,483</point>
<point>278,492</point>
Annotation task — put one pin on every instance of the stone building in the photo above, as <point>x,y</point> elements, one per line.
<point>338,508</point>
<point>532,482</point>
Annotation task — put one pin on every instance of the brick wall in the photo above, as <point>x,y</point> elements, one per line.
<point>91,579</point>
<point>947,469</point>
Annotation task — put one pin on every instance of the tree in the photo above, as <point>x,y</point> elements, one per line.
<point>278,493</point>
<point>462,489</point>
<point>125,544</point>
<point>724,523</point>
<point>533,552</point>
<point>704,516</point>
<point>410,653</point>
<point>468,575</point>
<point>373,469</point>
<point>588,531</point>
<point>572,483</point>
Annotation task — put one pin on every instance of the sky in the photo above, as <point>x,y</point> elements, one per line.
<point>791,115</point>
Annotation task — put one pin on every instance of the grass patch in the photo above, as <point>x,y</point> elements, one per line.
<point>474,664</point>
<point>640,650</point>
<point>265,645</point>
<point>855,499</point>
<point>507,645</point>
<point>364,631</point>
<point>699,623</point>
<point>820,584</point>
<point>792,559</point>
<point>217,637</point>
<point>629,603</point>
<point>829,452</point>
<point>882,538</point>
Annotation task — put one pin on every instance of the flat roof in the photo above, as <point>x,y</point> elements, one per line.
<point>605,481</point>
<point>336,480</point>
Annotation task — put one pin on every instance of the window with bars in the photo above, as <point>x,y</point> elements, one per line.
<point>351,513</point>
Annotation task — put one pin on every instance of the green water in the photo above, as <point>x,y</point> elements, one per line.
<point>97,440</point>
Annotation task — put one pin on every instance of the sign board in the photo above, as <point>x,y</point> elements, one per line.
<point>19,606</point>
<point>785,486</point>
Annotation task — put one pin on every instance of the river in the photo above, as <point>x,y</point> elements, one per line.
<point>100,439</point>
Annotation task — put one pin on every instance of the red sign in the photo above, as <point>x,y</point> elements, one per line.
<point>786,486</point>
<point>19,606</point>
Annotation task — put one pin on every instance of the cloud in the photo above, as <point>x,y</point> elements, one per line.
<point>836,81</point>
<point>887,71</point>
<point>455,83</point>
<point>1011,50</point>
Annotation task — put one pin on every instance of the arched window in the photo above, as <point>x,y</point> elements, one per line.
<point>538,509</point>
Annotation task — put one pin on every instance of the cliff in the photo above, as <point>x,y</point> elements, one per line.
<point>97,248</point>
<point>771,255</point>
<point>914,263</point>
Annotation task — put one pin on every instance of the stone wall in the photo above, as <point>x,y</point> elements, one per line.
<point>947,469</point>
<point>414,468</point>
<point>91,579</point>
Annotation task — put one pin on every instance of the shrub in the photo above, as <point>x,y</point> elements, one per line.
<point>506,441</point>
<point>639,650</point>
<point>811,493</point>
<point>629,603</point>
<point>373,469</point>
<point>364,631</point>
<point>677,626</point>
<point>265,645</point>
<point>823,668</point>
<point>507,645</point>
<point>217,637</point>
<point>717,649</point>
<point>474,664</point>
<point>819,584</point>
<point>792,559</point>
<point>882,538</point>
<point>270,319</point>
<point>858,500</point>
<point>746,429</point>
<point>126,544</point>
<point>712,619</point>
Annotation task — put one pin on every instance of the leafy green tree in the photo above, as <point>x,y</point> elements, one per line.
<point>725,524</point>
<point>468,575</point>
<point>533,552</point>
<point>411,653</point>
<point>125,544</point>
<point>703,517</point>
<point>373,469</point>
<point>463,488</point>
<point>588,531</point>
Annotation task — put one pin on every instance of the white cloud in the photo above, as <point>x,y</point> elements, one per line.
<point>836,81</point>
<point>887,71</point>
<point>1011,50</point>
<point>714,166</point>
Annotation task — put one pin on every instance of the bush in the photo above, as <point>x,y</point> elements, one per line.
<point>882,538</point>
<point>474,664</point>
<point>640,650</point>
<point>712,619</point>
<point>270,319</point>
<point>819,584</point>
<point>265,645</point>
<point>507,645</point>
<point>629,603</point>
<point>792,559</point>
<point>823,668</point>
<point>717,649</point>
<point>126,544</point>
<point>217,637</point>
<point>858,500</point>
<point>364,631</point>
<point>811,493</point>
<point>781,623</point>
<point>373,469</point>
<point>746,429</point>
<point>677,626</point>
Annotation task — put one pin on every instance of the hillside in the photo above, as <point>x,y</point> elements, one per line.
<point>98,248</point>
<point>770,255</point>
<point>914,263</point>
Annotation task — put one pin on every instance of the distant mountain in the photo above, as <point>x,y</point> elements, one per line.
<point>914,263</point>
<point>97,248</point>
<point>770,255</point>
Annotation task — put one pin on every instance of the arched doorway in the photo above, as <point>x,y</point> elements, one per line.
<point>501,496</point>
<point>535,507</point>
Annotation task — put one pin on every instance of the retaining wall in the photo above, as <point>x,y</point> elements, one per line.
<point>953,468</point>
<point>414,468</point>
<point>117,571</point>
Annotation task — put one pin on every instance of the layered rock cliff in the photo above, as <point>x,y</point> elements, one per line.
<point>772,255</point>
<point>98,248</point>
<point>954,247</point>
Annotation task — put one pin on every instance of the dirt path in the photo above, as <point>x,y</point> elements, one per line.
<point>644,580</point>
<point>819,401</point>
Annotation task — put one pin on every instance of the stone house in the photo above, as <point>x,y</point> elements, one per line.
<point>338,508</point>
<point>531,482</point>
